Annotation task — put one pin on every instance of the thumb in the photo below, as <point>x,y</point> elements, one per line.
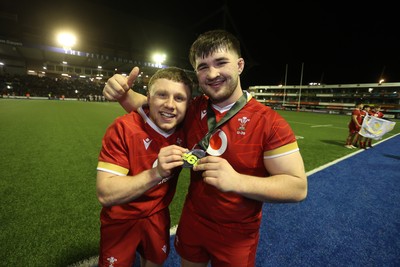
<point>132,76</point>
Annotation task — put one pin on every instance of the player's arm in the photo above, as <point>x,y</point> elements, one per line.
<point>114,189</point>
<point>118,88</point>
<point>287,181</point>
<point>355,120</point>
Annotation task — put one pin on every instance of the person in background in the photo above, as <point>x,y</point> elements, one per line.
<point>376,112</point>
<point>354,126</point>
<point>362,140</point>
<point>137,172</point>
<point>251,156</point>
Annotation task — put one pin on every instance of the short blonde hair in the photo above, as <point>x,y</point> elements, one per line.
<point>174,74</point>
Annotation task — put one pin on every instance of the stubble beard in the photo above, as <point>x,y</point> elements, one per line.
<point>224,93</point>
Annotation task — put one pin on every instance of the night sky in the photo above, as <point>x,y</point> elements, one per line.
<point>333,42</point>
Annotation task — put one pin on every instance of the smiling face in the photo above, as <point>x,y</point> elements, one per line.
<point>168,101</point>
<point>218,76</point>
<point>215,56</point>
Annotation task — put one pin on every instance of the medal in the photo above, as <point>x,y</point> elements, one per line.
<point>190,158</point>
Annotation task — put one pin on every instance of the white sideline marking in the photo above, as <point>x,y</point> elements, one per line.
<point>91,262</point>
<point>320,168</point>
<point>326,125</point>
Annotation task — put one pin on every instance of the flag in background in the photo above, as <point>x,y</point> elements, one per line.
<point>375,128</point>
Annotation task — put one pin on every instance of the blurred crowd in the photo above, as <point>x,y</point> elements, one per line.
<point>53,88</point>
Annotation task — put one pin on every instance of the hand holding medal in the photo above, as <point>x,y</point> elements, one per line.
<point>190,158</point>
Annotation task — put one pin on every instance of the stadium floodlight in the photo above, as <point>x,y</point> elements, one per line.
<point>159,58</point>
<point>67,40</point>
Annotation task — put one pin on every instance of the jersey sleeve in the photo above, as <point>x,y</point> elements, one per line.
<point>113,155</point>
<point>280,140</point>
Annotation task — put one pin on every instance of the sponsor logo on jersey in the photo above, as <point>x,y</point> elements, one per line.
<point>147,142</point>
<point>218,143</point>
<point>203,113</point>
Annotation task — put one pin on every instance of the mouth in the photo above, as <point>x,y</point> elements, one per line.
<point>167,115</point>
<point>216,82</point>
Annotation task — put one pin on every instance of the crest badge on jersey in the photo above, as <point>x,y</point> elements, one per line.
<point>242,127</point>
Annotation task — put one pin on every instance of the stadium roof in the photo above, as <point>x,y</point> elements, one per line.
<point>28,39</point>
<point>19,55</point>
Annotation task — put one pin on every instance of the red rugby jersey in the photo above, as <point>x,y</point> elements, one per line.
<point>131,145</point>
<point>255,132</point>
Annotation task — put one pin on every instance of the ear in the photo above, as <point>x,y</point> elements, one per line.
<point>240,65</point>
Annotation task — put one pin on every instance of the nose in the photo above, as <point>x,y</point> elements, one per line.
<point>170,102</point>
<point>213,73</point>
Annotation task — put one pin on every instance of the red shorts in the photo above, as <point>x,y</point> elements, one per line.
<point>120,239</point>
<point>199,240</point>
<point>353,128</point>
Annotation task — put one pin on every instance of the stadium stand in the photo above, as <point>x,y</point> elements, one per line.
<point>334,99</point>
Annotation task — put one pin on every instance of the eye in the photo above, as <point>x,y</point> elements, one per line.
<point>201,67</point>
<point>222,63</point>
<point>180,98</point>
<point>161,95</point>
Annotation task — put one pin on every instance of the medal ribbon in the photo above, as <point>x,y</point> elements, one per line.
<point>211,121</point>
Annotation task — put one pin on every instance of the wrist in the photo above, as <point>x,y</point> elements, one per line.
<point>155,174</point>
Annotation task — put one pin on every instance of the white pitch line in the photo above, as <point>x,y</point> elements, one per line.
<point>326,125</point>
<point>345,157</point>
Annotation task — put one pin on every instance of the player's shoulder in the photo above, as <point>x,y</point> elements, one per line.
<point>199,102</point>
<point>199,99</point>
<point>256,107</point>
<point>128,120</point>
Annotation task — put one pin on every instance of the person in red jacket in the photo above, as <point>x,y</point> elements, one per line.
<point>354,125</point>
